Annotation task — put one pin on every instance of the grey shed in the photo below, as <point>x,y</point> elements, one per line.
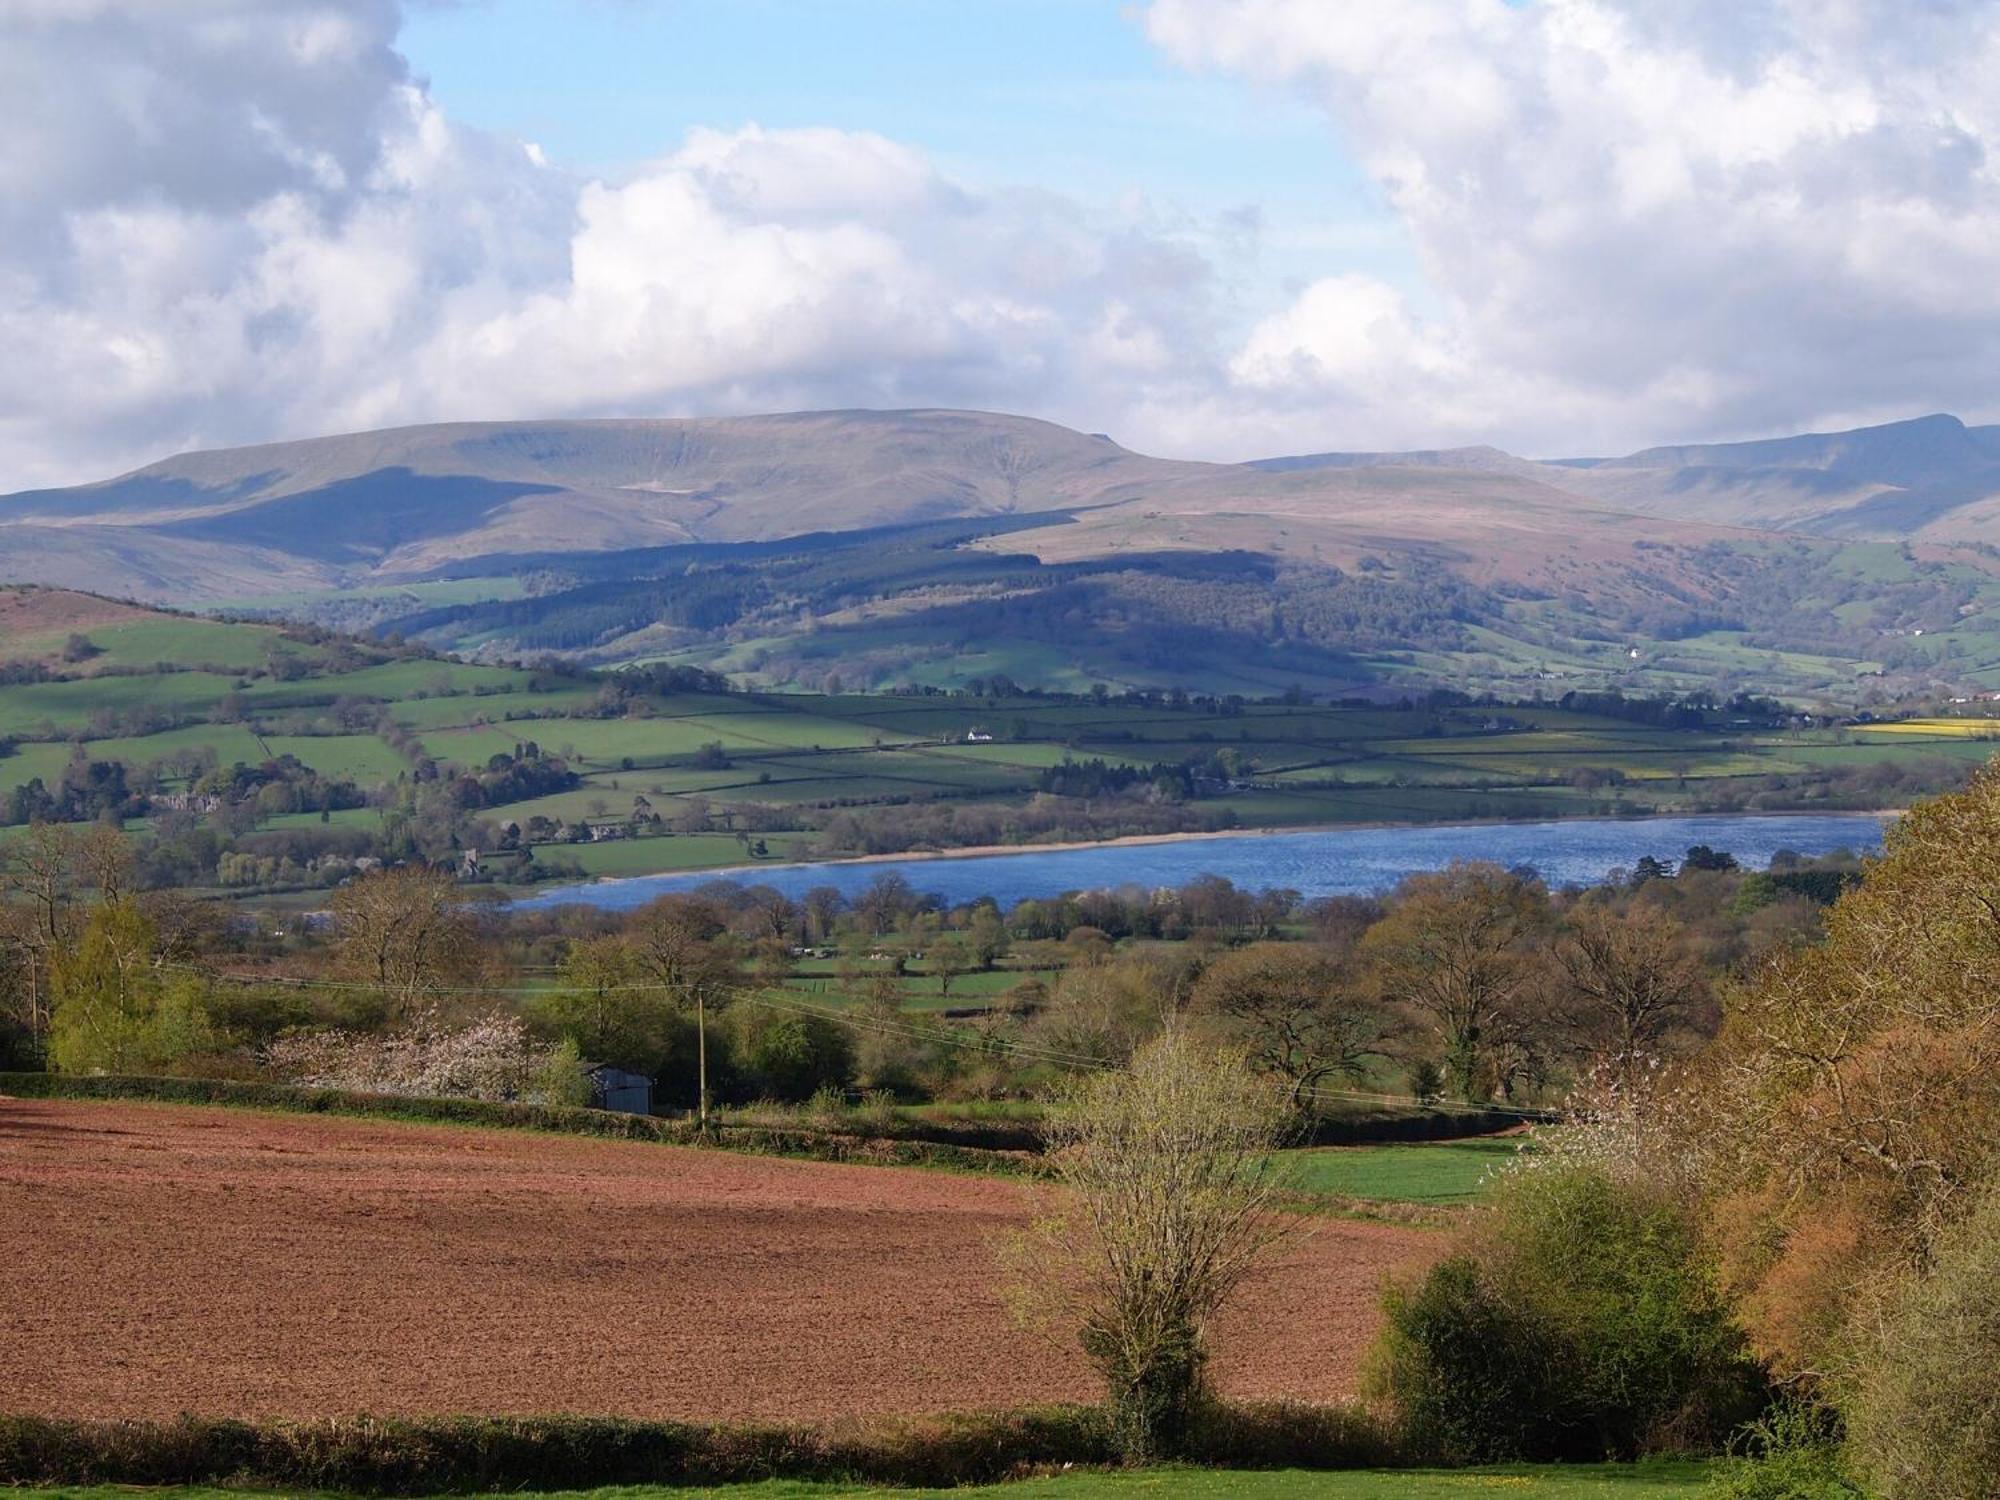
<point>616,1089</point>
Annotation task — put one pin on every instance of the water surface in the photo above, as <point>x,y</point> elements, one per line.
<point>1317,862</point>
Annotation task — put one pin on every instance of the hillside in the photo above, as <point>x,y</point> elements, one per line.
<point>1932,479</point>
<point>402,502</point>
<point>932,547</point>
<point>252,759</point>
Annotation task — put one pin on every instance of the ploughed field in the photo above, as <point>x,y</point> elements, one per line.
<point>167,1259</point>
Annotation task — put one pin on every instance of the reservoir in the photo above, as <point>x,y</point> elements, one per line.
<point>1314,862</point>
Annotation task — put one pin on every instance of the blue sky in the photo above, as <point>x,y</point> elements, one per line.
<point>1214,228</point>
<point>1067,95</point>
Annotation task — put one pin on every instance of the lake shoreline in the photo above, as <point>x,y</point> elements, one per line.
<point>1141,840</point>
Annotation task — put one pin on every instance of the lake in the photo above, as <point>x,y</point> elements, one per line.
<point>1318,862</point>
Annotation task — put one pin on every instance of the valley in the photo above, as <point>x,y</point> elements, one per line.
<point>249,759</point>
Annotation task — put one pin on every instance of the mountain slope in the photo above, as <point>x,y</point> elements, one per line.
<point>1930,479</point>
<point>404,501</point>
<point>401,504</point>
<point>932,547</point>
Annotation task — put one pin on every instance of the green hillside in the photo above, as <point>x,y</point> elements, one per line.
<point>248,758</point>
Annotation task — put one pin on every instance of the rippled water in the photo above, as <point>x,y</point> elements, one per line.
<point>1321,862</point>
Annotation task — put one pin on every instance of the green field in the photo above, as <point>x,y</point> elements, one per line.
<point>787,764</point>
<point>1655,1480</point>
<point>1441,1173</point>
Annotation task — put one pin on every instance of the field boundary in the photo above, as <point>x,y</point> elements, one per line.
<point>966,1146</point>
<point>376,1456</point>
<point>756,1140</point>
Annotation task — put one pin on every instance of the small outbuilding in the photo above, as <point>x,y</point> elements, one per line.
<point>616,1089</point>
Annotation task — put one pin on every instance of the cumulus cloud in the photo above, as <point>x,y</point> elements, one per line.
<point>223,221</point>
<point>1637,221</point>
<point>237,221</point>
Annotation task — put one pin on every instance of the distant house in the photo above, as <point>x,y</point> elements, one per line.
<point>978,737</point>
<point>615,1089</point>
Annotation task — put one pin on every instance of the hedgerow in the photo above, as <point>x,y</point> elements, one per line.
<point>818,1145</point>
<point>379,1456</point>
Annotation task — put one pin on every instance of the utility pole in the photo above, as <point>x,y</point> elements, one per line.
<point>701,1053</point>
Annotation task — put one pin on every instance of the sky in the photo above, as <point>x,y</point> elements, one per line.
<point>1210,228</point>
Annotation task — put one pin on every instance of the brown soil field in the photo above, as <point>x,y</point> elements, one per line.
<point>165,1259</point>
<point>27,613</point>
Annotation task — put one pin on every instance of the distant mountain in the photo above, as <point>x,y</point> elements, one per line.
<point>400,504</point>
<point>407,500</point>
<point>1930,479</point>
<point>933,546</point>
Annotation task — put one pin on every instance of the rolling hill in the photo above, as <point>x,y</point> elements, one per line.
<point>925,546</point>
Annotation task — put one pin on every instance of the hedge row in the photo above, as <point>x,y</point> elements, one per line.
<point>372,1456</point>
<point>972,1145</point>
<point>817,1145</point>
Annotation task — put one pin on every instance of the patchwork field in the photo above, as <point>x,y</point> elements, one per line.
<point>659,781</point>
<point>172,1259</point>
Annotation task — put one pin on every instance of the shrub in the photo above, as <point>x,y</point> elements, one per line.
<point>1793,1454</point>
<point>374,1456</point>
<point>1924,1415</point>
<point>1171,1187</point>
<point>490,1058</point>
<point>562,1079</point>
<point>1574,1323</point>
<point>791,1056</point>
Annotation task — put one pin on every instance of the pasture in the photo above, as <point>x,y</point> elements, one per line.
<point>780,767</point>
<point>1444,1174</point>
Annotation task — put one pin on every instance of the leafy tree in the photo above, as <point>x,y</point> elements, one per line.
<point>1924,1412</point>
<point>115,1009</point>
<point>949,957</point>
<point>562,1078</point>
<point>1856,1088</point>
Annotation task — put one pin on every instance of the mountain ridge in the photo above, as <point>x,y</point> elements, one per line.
<point>396,504</point>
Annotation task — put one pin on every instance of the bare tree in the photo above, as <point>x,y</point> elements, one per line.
<point>1453,950</point>
<point>1171,1190</point>
<point>1628,982</point>
<point>1294,1010</point>
<point>682,946</point>
<point>407,932</point>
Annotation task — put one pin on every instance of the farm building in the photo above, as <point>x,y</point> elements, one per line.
<point>616,1089</point>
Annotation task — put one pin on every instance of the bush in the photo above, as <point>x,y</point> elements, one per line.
<point>791,1057</point>
<point>1924,1416</point>
<point>371,1456</point>
<point>1793,1454</point>
<point>1574,1323</point>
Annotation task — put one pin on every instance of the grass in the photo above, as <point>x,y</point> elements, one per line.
<point>1655,1480</point>
<point>1938,728</point>
<point>1440,1174</point>
<point>806,757</point>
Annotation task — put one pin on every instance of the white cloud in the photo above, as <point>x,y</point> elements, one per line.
<point>1638,221</point>
<point>225,220</point>
<point>241,222</point>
